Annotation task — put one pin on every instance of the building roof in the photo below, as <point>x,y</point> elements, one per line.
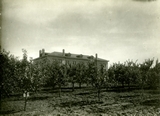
<point>71,55</point>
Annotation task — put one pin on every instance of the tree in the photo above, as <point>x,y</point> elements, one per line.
<point>8,77</point>
<point>25,76</point>
<point>97,76</point>
<point>131,70</point>
<point>54,73</point>
<point>15,74</point>
<point>91,73</point>
<point>118,71</point>
<point>72,74</point>
<point>80,73</point>
<point>101,80</point>
<point>154,76</point>
<point>144,71</point>
<point>5,73</point>
<point>111,76</point>
<point>37,77</point>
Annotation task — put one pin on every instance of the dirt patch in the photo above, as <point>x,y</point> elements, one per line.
<point>152,102</point>
<point>82,102</point>
<point>79,103</point>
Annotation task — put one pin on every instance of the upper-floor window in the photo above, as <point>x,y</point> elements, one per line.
<point>68,54</point>
<point>79,56</point>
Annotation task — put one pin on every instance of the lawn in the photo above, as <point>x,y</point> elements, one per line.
<point>84,102</point>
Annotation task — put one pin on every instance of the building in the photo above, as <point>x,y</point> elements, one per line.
<point>70,58</point>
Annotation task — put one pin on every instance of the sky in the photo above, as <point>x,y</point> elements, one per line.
<point>117,30</point>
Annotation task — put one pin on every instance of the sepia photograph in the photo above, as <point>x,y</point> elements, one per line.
<point>79,57</point>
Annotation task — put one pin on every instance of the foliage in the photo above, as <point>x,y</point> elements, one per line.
<point>131,73</point>
<point>53,73</point>
<point>91,73</point>
<point>154,76</point>
<point>80,73</point>
<point>71,73</point>
<point>15,74</point>
<point>8,73</point>
<point>97,76</point>
<point>144,72</point>
<point>23,75</point>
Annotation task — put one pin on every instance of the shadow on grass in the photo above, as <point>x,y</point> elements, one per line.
<point>38,98</point>
<point>86,93</point>
<point>8,112</point>
<point>57,91</point>
<point>153,102</point>
<point>130,96</point>
<point>79,103</point>
<point>154,91</point>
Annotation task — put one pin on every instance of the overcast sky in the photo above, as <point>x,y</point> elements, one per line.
<point>117,30</point>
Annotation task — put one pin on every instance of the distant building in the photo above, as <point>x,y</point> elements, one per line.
<point>70,58</point>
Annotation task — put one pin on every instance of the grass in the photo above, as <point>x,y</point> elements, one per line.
<point>84,102</point>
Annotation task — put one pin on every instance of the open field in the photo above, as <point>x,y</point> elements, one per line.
<point>84,102</point>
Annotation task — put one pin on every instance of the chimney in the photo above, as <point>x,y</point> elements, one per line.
<point>63,52</point>
<point>96,56</point>
<point>40,53</point>
<point>43,52</point>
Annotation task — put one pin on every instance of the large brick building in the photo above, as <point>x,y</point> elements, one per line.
<point>69,58</point>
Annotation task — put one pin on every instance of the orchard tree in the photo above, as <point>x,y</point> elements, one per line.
<point>101,80</point>
<point>80,73</point>
<point>7,77</point>
<point>131,70</point>
<point>15,74</point>
<point>71,71</point>
<point>112,76</point>
<point>54,73</point>
<point>91,73</point>
<point>119,71</point>
<point>97,76</point>
<point>37,77</point>
<point>154,76</point>
<point>144,72</point>
<point>24,74</point>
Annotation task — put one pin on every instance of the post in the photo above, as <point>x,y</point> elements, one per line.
<point>98,86</point>
<point>25,95</point>
<point>96,66</point>
<point>1,82</point>
<point>25,103</point>
<point>30,68</point>
<point>96,59</point>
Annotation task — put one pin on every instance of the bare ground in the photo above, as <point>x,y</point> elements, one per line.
<point>84,102</point>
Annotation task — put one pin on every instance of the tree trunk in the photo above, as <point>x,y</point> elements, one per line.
<point>87,84</point>
<point>123,84</point>
<point>72,86</point>
<point>142,92</point>
<point>59,90</point>
<point>80,85</point>
<point>25,101</point>
<point>98,93</point>
<point>0,99</point>
<point>1,89</point>
<point>128,85</point>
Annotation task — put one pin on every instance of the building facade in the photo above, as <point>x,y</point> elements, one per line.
<point>70,58</point>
